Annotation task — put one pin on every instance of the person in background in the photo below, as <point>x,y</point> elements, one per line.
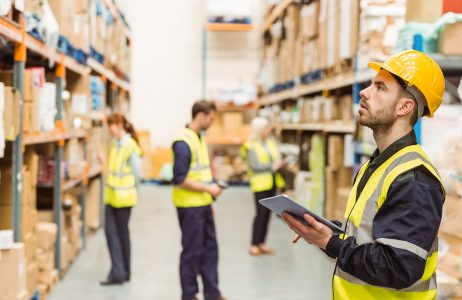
<point>121,193</point>
<point>261,153</point>
<point>193,194</point>
<point>390,246</point>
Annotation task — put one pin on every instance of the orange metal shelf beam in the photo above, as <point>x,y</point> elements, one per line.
<point>229,27</point>
<point>10,30</point>
<point>51,137</point>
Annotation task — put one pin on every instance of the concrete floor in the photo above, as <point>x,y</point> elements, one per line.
<point>296,271</point>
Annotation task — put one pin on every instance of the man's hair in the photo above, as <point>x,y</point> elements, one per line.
<point>405,93</point>
<point>203,106</point>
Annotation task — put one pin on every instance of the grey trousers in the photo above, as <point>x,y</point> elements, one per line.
<point>118,241</point>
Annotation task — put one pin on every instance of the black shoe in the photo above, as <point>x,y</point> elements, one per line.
<point>108,282</point>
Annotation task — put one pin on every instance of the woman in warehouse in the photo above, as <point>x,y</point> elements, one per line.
<point>261,153</point>
<point>121,193</point>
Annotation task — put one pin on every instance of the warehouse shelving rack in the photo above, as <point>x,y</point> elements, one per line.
<point>355,78</point>
<point>16,33</point>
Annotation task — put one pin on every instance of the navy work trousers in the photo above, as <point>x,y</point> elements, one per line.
<point>200,252</point>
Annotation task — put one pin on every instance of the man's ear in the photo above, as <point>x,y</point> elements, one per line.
<point>405,106</point>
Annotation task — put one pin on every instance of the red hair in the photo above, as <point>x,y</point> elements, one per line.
<point>120,120</point>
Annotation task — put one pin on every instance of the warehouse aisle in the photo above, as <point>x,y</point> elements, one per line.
<point>296,272</point>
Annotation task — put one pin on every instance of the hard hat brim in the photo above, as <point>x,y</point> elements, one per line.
<point>376,66</point>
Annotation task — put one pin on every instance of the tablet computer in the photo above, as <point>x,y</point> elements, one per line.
<point>283,203</point>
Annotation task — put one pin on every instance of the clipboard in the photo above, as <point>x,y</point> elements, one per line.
<point>283,203</point>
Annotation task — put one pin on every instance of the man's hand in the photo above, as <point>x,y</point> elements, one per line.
<point>214,190</point>
<point>317,233</point>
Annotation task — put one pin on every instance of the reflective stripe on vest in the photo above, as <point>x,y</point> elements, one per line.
<point>361,214</point>
<point>120,190</point>
<point>266,153</point>
<point>199,171</point>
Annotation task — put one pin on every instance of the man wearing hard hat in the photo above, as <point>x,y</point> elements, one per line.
<point>389,247</point>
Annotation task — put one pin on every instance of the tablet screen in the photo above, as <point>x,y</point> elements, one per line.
<point>283,203</point>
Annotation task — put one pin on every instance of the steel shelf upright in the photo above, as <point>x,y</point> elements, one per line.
<point>20,53</point>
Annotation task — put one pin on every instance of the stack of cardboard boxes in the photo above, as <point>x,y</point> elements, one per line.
<point>89,23</point>
<point>93,205</point>
<point>29,218</point>
<point>75,162</point>
<point>10,100</point>
<point>13,273</point>
<point>48,275</point>
<point>380,24</point>
<point>322,35</point>
<point>231,125</point>
<point>71,241</point>
<point>338,178</point>
<point>327,109</point>
<point>307,56</point>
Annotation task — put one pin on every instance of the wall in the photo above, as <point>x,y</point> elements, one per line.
<point>167,62</point>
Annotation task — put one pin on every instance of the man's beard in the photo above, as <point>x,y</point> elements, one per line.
<point>382,120</point>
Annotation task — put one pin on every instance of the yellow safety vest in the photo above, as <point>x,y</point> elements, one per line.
<point>199,171</point>
<point>360,222</point>
<point>120,188</point>
<point>263,181</point>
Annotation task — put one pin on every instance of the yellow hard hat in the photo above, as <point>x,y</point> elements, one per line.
<point>419,70</point>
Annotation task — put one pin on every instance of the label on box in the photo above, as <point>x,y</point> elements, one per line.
<point>6,239</point>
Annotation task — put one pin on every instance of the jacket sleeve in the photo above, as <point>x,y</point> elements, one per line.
<point>182,161</point>
<point>409,219</point>
<point>135,163</point>
<point>254,163</point>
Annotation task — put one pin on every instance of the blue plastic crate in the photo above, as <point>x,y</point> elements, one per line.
<point>96,55</point>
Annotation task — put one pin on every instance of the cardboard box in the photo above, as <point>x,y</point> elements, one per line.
<point>232,122</point>
<point>348,27</point>
<point>11,113</point>
<point>13,273</point>
<point>6,187</point>
<point>30,247</point>
<point>341,201</point>
<point>80,32</point>
<point>81,6</point>
<point>31,277</point>
<point>31,161</point>
<point>346,108</point>
<point>46,235</point>
<point>309,16</point>
<point>331,192</point>
<point>451,39</point>
<point>62,10</point>
<point>6,217</point>
<point>335,151</point>
<point>93,208</point>
<point>423,11</point>
<point>46,216</point>
<point>45,259</point>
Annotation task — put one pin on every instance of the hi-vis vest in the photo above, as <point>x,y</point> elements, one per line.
<point>120,188</point>
<point>360,221</point>
<point>263,181</point>
<point>199,170</point>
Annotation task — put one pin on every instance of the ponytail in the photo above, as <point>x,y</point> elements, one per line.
<point>131,130</point>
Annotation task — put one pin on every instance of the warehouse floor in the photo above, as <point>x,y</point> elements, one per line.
<point>295,272</point>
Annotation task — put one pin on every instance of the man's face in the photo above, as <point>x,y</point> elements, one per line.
<point>378,103</point>
<point>206,120</point>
